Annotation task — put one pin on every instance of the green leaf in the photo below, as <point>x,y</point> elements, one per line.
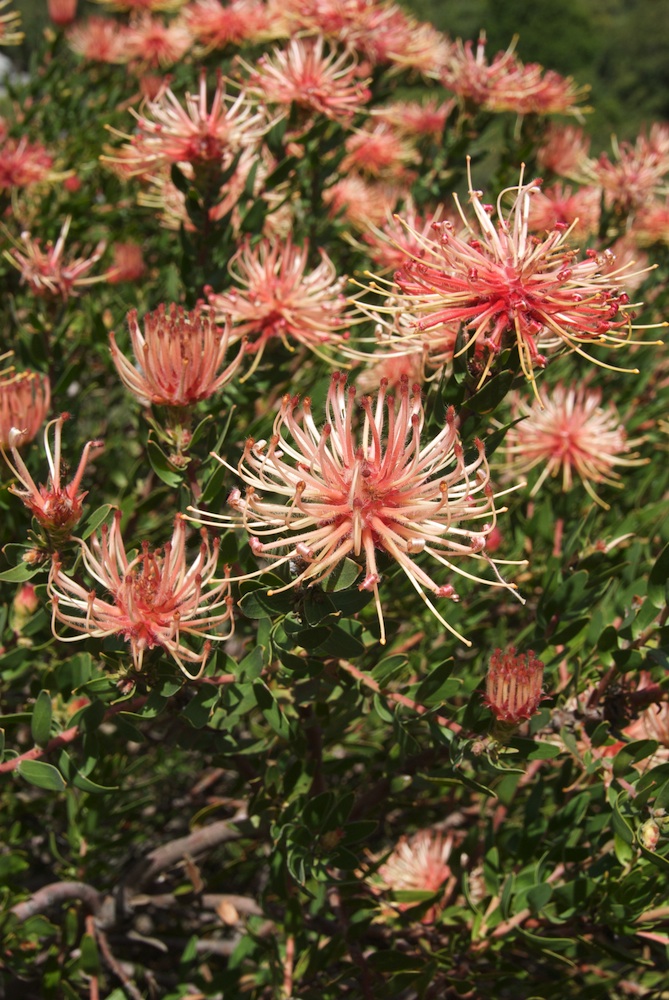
<point>539,896</point>
<point>632,754</point>
<point>271,710</point>
<point>342,576</point>
<point>40,725</point>
<point>18,574</point>
<point>90,960</point>
<point>657,580</point>
<point>96,519</point>
<point>621,827</point>
<point>162,466</point>
<point>42,775</point>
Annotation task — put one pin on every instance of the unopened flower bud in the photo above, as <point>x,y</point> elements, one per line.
<point>513,687</point>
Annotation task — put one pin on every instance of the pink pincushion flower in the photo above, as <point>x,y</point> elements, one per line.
<point>48,272</point>
<point>154,44</point>
<point>344,493</point>
<point>308,75</point>
<point>179,354</point>
<point>635,174</point>
<point>277,296</point>
<point>651,224</point>
<point>169,133</point>
<point>514,685</point>
<point>570,434</point>
<point>154,599</point>
<point>418,120</point>
<point>362,203</point>
<point>563,150</point>
<point>506,84</point>
<point>560,206</point>
<point>128,264</point>
<point>379,152</point>
<point>99,39</point>
<point>507,287</point>
<point>56,507</point>
<point>418,864</point>
<point>23,163</point>
<point>24,403</point>
<point>215,25</point>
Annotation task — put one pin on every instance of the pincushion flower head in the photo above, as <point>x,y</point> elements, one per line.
<point>57,507</point>
<point>380,490</point>
<point>514,685</point>
<point>152,599</point>
<point>311,77</point>
<point>418,864</point>
<point>506,287</point>
<point>48,271</point>
<point>277,295</point>
<point>196,132</point>
<point>571,436</point>
<point>180,355</point>
<point>24,404</point>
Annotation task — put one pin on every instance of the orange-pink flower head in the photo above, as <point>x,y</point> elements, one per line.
<point>276,295</point>
<point>62,12</point>
<point>128,263</point>
<point>99,39</point>
<point>49,272</point>
<point>23,164</point>
<point>563,150</point>
<point>154,44</point>
<point>578,210</point>
<point>346,493</point>
<point>506,84</point>
<point>216,26</point>
<point>24,404</point>
<point>514,685</point>
<point>419,120</point>
<point>179,357</point>
<point>195,132</point>
<point>310,76</point>
<point>362,204</point>
<point>418,864</point>
<point>570,435</point>
<point>57,507</point>
<point>152,599</point>
<point>635,174</point>
<point>506,287</point>
<point>378,151</point>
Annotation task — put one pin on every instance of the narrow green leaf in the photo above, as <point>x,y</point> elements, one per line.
<point>161,465</point>
<point>96,519</point>
<point>90,960</point>
<point>2,745</point>
<point>40,724</point>
<point>342,576</point>
<point>42,775</point>
<point>20,573</point>
<point>657,580</point>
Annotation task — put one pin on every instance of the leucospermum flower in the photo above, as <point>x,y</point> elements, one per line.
<point>156,44</point>
<point>343,493</point>
<point>505,287</point>
<point>57,507</point>
<point>23,164</point>
<point>215,26</point>
<point>180,355</point>
<point>514,685</point>
<point>196,132</point>
<point>153,599</point>
<point>570,435</point>
<point>278,296</point>
<point>308,75</point>
<point>419,863</point>
<point>48,271</point>
<point>24,404</point>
